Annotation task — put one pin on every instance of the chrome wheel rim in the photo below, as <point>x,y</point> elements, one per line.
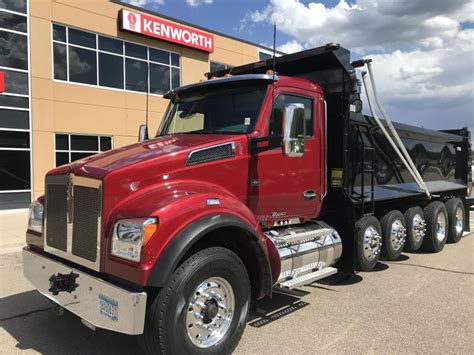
<point>441,227</point>
<point>210,312</point>
<point>372,243</point>
<point>418,228</point>
<point>459,220</point>
<point>397,235</point>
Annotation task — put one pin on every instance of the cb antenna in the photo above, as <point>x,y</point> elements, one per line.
<point>274,49</point>
<point>273,82</point>
<point>147,92</point>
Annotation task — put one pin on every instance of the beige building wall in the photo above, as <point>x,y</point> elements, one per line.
<point>59,107</point>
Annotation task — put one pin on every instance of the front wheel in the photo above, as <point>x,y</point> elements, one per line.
<point>203,309</point>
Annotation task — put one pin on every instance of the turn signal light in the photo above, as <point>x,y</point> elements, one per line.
<point>148,231</point>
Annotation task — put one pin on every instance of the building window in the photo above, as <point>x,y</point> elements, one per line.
<point>71,147</point>
<point>19,6</point>
<point>264,54</point>
<point>15,146</point>
<point>88,58</point>
<point>215,66</point>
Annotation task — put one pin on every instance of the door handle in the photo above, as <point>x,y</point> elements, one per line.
<point>309,194</point>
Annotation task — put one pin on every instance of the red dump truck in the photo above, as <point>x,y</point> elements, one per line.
<point>265,176</point>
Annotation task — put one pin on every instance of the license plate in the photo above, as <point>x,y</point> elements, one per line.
<point>108,307</point>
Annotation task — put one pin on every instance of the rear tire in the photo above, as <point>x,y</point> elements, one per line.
<point>368,243</point>
<point>437,225</point>
<point>416,228</point>
<point>209,290</point>
<point>456,218</point>
<point>393,234</point>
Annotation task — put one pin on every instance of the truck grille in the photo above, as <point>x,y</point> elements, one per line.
<point>72,219</point>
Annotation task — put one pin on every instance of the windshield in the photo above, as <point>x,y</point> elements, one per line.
<point>230,108</point>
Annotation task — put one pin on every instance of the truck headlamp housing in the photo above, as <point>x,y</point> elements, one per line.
<point>35,217</point>
<point>130,235</point>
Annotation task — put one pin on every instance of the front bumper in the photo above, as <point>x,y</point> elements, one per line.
<point>98,302</point>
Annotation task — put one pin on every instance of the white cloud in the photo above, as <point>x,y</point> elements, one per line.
<point>291,47</point>
<point>196,3</point>
<point>146,3</point>
<point>421,55</point>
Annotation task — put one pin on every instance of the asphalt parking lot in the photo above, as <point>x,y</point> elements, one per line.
<point>423,303</point>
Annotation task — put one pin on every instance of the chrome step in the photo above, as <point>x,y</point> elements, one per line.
<point>308,278</point>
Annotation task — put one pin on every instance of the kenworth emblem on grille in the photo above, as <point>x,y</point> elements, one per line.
<point>69,197</point>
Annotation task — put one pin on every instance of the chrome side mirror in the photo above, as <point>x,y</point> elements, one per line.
<point>294,130</point>
<point>143,133</point>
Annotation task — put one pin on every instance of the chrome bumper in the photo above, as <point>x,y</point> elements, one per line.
<point>124,310</point>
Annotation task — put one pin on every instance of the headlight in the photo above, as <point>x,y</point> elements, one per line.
<point>130,235</point>
<point>35,220</point>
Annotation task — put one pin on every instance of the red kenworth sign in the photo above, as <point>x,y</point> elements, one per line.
<point>165,30</point>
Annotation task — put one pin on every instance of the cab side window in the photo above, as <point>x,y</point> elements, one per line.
<point>276,119</point>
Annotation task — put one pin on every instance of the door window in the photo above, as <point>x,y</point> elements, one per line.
<point>276,119</point>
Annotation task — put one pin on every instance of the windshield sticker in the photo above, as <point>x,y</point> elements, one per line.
<point>247,121</point>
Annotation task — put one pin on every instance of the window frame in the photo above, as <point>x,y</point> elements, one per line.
<point>123,56</point>
<point>70,151</point>
<point>27,97</point>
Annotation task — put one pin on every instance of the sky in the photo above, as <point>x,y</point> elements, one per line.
<point>422,50</point>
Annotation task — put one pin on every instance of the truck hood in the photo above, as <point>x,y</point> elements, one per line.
<point>168,148</point>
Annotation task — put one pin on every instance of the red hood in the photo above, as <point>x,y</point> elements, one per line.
<point>172,146</point>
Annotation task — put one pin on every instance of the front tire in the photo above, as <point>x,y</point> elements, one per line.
<point>368,243</point>
<point>456,218</point>
<point>203,309</point>
<point>437,224</point>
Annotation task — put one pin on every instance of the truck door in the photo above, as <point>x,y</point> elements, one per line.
<point>288,187</point>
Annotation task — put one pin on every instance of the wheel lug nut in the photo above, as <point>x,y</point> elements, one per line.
<point>198,315</point>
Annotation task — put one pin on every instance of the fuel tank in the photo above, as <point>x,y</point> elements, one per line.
<point>305,248</point>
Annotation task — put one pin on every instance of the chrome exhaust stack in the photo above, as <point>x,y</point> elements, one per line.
<point>306,252</point>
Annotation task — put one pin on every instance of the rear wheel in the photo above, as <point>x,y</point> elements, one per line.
<point>416,228</point>
<point>455,209</point>
<point>393,234</point>
<point>203,308</point>
<point>368,243</point>
<point>436,227</point>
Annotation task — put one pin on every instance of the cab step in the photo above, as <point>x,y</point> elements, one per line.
<point>308,278</point>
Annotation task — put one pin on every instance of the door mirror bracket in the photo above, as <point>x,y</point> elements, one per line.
<point>294,130</point>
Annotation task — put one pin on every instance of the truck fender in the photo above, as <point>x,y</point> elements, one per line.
<point>169,260</point>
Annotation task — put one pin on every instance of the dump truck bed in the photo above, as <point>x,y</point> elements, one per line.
<point>441,158</point>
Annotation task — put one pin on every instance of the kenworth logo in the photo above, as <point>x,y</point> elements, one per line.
<point>165,30</point>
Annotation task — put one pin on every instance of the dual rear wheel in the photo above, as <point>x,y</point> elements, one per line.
<point>429,228</point>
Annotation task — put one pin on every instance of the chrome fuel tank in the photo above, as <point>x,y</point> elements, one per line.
<point>305,248</point>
